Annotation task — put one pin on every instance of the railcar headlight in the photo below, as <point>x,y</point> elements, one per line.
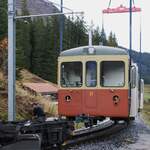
<point>68,98</point>
<point>116,99</point>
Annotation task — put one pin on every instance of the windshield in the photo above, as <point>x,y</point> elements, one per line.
<point>112,73</point>
<point>91,74</point>
<point>71,74</point>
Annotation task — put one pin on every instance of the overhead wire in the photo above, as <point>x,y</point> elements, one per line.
<point>109,4</point>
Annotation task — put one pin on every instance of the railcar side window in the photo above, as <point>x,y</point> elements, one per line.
<point>71,74</point>
<point>91,74</point>
<point>133,77</point>
<point>112,74</point>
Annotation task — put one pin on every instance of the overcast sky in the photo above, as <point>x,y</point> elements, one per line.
<point>117,23</point>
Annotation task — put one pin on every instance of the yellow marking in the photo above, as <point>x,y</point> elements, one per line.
<point>91,93</point>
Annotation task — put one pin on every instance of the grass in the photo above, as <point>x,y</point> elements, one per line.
<point>147,93</point>
<point>146,113</point>
<point>146,109</point>
<point>24,99</point>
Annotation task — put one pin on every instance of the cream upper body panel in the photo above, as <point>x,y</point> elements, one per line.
<point>98,59</point>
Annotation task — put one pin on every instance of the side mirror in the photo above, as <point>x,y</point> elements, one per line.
<point>141,93</point>
<point>133,77</point>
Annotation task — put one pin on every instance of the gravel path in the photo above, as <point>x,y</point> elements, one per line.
<point>135,137</point>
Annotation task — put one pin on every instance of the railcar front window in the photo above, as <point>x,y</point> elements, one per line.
<point>91,74</point>
<point>112,74</point>
<point>71,74</point>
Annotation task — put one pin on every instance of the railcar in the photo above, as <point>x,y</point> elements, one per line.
<point>98,82</point>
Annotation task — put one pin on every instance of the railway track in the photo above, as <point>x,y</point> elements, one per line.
<point>52,134</point>
<point>103,129</point>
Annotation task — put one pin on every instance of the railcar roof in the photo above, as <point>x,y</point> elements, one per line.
<point>98,50</point>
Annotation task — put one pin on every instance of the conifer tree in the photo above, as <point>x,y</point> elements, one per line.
<point>49,50</point>
<point>67,33</point>
<point>96,36</point>
<point>112,40</point>
<point>23,39</point>
<point>39,44</point>
<point>3,19</point>
<point>82,36</point>
<point>54,51</point>
<point>115,40</point>
<point>103,39</point>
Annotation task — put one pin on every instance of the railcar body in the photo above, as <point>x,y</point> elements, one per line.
<point>94,81</point>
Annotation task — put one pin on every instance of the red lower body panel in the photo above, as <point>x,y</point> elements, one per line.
<point>93,102</point>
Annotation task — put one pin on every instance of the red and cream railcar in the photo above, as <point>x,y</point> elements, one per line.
<point>94,81</point>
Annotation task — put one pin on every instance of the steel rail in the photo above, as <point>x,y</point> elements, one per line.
<point>109,129</point>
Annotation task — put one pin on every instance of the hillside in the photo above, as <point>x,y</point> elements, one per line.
<point>3,64</point>
<point>36,7</point>
<point>145,64</point>
<point>25,99</point>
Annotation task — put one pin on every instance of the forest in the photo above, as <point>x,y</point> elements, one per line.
<point>37,41</point>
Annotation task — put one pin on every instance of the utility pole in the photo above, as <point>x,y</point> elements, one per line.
<point>130,45</point>
<point>140,72</point>
<point>11,61</point>
<point>61,26</point>
<point>140,61</point>
<point>130,31</point>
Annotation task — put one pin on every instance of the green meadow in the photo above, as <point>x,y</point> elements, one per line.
<point>146,109</point>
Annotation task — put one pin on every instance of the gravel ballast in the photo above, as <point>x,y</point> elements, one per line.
<point>135,137</point>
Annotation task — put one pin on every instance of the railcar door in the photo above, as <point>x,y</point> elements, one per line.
<point>89,95</point>
<point>70,96</point>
